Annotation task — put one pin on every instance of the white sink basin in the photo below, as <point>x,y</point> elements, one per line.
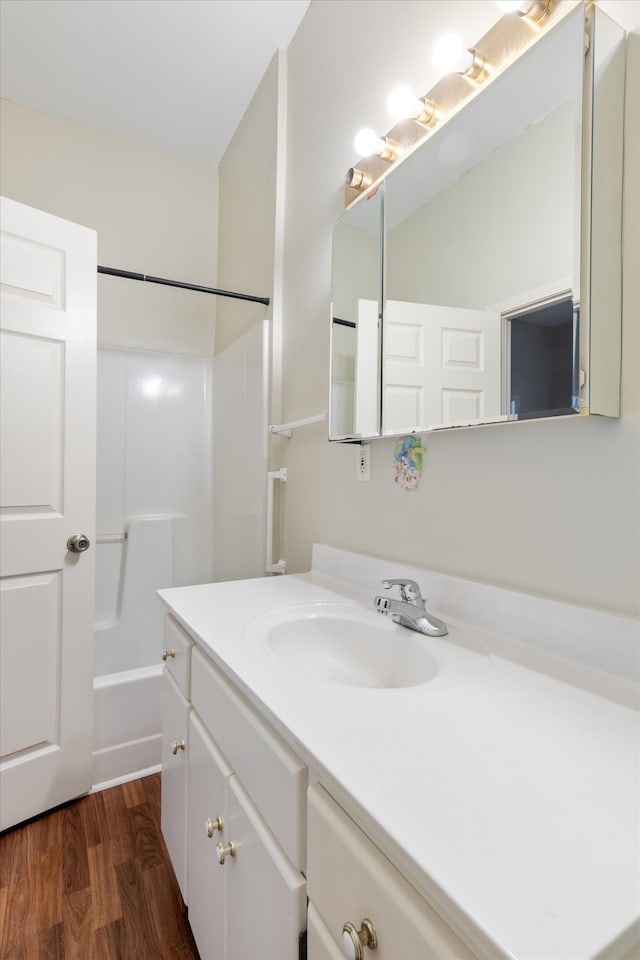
<point>344,643</point>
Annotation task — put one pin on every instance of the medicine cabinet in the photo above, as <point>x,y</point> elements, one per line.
<point>479,280</point>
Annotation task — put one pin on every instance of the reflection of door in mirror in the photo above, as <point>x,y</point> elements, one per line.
<point>543,361</point>
<point>366,414</point>
<point>355,353</point>
<point>441,366</point>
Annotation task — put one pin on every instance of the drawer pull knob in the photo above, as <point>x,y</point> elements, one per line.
<point>168,654</point>
<point>213,825</point>
<point>177,745</point>
<point>354,941</point>
<point>224,852</point>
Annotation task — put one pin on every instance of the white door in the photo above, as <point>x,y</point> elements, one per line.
<point>47,495</point>
<point>441,365</point>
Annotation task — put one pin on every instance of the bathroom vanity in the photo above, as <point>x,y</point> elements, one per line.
<point>334,784</point>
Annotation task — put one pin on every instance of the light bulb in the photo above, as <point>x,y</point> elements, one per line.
<point>450,55</point>
<point>403,104</point>
<point>368,143</point>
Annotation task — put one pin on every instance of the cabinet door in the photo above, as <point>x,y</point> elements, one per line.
<point>175,711</point>
<point>207,801</point>
<point>349,879</point>
<point>266,896</point>
<point>320,943</point>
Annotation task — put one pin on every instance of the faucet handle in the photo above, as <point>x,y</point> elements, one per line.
<point>409,589</point>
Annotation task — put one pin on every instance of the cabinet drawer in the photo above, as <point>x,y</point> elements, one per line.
<point>179,665</point>
<point>271,773</point>
<point>349,879</point>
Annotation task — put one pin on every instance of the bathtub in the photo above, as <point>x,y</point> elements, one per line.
<point>127,725</point>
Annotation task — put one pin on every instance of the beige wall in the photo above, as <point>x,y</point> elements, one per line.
<point>247,214</point>
<point>550,508</point>
<point>154,212</point>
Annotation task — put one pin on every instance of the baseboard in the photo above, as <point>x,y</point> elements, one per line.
<point>117,781</point>
<point>125,761</point>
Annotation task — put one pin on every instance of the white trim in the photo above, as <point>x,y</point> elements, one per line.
<point>277,300</point>
<point>126,778</point>
<point>518,306</point>
<point>546,295</point>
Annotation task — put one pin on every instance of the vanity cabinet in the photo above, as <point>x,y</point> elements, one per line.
<point>351,881</point>
<point>244,828</point>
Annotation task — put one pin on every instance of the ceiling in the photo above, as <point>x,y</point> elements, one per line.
<point>173,74</point>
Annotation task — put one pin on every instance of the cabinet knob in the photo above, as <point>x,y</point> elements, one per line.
<point>177,745</point>
<point>224,852</point>
<point>354,941</point>
<point>167,654</point>
<point>212,825</point>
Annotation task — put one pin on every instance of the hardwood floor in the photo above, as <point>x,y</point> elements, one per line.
<point>92,881</point>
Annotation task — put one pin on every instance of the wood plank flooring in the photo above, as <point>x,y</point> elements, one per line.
<point>92,881</point>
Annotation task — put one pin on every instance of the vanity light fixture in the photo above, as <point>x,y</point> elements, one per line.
<point>357,178</point>
<point>369,144</point>
<point>404,105</point>
<point>451,56</point>
<point>416,117</point>
<point>532,10</point>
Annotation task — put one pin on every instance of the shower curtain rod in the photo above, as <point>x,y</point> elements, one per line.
<point>129,275</point>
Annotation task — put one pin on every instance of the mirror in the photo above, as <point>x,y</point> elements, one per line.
<point>481,252</point>
<point>354,407</point>
<point>488,302</point>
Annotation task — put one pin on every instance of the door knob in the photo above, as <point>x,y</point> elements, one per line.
<point>78,543</point>
<point>168,654</point>
<point>354,941</point>
<point>177,745</point>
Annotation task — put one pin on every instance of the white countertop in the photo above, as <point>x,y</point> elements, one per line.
<point>510,798</point>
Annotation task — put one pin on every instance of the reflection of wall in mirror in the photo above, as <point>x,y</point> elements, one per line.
<point>356,269</point>
<point>356,272</point>
<point>507,226</point>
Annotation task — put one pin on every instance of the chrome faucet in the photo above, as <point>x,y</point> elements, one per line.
<point>410,610</point>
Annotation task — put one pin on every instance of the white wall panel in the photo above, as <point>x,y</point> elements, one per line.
<point>154,484</point>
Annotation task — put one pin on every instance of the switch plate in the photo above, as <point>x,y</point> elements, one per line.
<point>363,462</point>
